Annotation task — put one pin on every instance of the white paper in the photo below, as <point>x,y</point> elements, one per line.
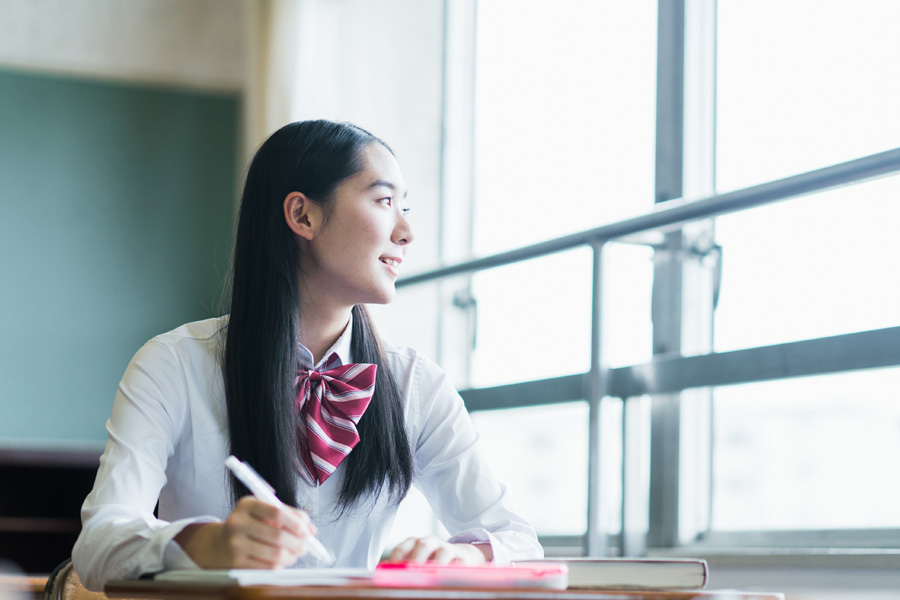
<point>290,577</point>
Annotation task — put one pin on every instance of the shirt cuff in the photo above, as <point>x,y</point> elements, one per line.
<point>479,535</point>
<point>174,557</point>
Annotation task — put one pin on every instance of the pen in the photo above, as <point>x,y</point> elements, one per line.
<point>262,490</point>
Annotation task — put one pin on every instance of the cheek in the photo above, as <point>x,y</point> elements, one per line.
<point>359,235</point>
<point>370,234</point>
<point>353,250</point>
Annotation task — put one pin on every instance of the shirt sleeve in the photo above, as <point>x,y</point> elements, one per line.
<point>454,476</point>
<point>120,537</point>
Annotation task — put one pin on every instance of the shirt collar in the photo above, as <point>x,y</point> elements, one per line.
<point>337,355</point>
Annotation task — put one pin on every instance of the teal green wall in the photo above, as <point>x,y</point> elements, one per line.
<point>116,216</point>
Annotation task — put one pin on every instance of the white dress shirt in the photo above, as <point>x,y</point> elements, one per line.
<point>168,440</point>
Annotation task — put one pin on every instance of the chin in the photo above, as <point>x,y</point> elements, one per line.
<point>385,296</point>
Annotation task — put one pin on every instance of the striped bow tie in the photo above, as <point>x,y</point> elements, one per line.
<point>331,403</point>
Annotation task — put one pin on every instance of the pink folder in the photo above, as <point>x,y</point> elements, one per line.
<point>409,574</point>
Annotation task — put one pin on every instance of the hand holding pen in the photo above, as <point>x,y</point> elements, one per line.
<point>260,533</point>
<point>263,491</point>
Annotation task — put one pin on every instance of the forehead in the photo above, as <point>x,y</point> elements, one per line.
<point>380,169</point>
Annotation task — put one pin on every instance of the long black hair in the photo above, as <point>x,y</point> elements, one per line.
<point>260,358</point>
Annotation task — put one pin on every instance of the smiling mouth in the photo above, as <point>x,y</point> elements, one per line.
<point>391,262</point>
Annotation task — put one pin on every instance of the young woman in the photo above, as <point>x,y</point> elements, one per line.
<point>295,382</point>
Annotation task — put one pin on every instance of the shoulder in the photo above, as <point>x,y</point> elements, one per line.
<point>191,339</point>
<point>201,333</point>
<point>409,366</point>
<point>425,387</point>
<point>176,366</point>
<point>191,348</point>
<point>400,356</point>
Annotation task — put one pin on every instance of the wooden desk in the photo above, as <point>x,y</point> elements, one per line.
<point>194,591</point>
<point>22,586</point>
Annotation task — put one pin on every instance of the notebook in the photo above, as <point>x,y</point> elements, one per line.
<point>637,573</point>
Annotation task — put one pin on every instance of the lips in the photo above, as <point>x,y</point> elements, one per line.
<point>392,263</point>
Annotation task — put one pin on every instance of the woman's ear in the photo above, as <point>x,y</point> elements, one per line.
<point>302,215</point>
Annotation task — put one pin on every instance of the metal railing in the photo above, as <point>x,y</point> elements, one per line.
<point>671,214</point>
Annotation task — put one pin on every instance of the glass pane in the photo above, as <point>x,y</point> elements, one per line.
<point>611,464</point>
<point>565,112</point>
<point>533,319</point>
<point>628,285</point>
<point>813,453</point>
<point>810,267</point>
<point>541,455</point>
<point>636,466</point>
<point>804,84</point>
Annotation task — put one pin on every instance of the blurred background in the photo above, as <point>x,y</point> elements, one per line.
<point>126,127</point>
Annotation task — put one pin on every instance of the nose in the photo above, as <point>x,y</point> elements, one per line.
<point>403,231</point>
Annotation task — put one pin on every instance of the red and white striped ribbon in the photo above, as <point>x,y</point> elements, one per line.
<point>331,403</point>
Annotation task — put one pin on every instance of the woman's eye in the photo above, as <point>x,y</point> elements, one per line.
<point>405,211</point>
<point>389,200</point>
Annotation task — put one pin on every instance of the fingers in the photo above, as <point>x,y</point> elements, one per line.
<point>444,555</point>
<point>280,517</point>
<point>416,549</point>
<point>433,549</point>
<point>250,554</point>
<point>261,536</point>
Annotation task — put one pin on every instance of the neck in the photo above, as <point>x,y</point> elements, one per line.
<point>321,327</point>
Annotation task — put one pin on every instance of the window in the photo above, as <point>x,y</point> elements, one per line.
<point>801,92</point>
<point>807,453</point>
<point>564,108</point>
<point>720,345</point>
<point>803,85</point>
<point>531,319</point>
<point>564,141</point>
<point>544,466</point>
<point>564,103</point>
<point>815,266</point>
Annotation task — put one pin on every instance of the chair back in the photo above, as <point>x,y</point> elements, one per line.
<point>64,584</point>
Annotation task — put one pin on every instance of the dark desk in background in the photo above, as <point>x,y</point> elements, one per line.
<point>40,504</point>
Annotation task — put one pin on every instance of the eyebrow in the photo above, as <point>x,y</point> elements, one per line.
<point>387,184</point>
